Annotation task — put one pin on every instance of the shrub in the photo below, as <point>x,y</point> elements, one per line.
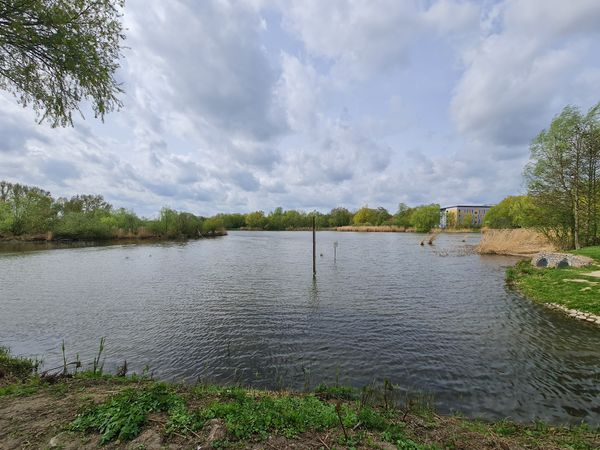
<point>14,366</point>
<point>82,226</point>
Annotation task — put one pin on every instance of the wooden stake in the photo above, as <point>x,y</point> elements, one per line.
<point>314,227</point>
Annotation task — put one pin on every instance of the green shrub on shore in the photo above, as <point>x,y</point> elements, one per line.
<point>30,213</point>
<point>15,367</point>
<point>82,226</point>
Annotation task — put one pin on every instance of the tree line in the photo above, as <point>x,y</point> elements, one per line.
<point>421,218</point>
<point>563,182</point>
<point>27,211</point>
<point>31,212</point>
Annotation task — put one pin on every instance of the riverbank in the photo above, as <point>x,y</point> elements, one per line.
<point>90,411</point>
<point>575,291</point>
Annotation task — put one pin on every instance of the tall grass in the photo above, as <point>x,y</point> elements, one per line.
<point>518,241</point>
<point>15,367</point>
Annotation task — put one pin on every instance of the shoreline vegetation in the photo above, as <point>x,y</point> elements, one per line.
<point>30,214</point>
<point>574,291</point>
<point>91,409</point>
<point>423,218</point>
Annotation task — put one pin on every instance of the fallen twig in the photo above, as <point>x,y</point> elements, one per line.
<point>324,443</point>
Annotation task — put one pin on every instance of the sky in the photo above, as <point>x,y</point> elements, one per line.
<point>236,106</point>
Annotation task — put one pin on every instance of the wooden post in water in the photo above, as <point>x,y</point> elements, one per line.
<point>314,236</point>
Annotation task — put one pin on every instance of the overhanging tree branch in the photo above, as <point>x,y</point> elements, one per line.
<point>54,54</point>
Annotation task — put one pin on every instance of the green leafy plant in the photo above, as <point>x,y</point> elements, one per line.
<point>289,416</point>
<point>339,392</point>
<point>122,416</point>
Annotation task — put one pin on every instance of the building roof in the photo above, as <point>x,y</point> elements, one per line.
<point>467,206</point>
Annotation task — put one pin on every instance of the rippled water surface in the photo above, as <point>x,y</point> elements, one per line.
<point>244,308</point>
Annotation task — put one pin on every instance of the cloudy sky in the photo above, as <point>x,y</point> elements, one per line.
<point>245,105</point>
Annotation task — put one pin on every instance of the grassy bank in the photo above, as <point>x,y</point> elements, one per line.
<point>575,289</point>
<point>93,410</point>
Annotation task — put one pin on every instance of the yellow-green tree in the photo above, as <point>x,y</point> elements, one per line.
<point>365,216</point>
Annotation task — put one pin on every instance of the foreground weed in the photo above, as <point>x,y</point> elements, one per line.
<point>337,392</point>
<point>15,367</point>
<point>288,416</point>
<point>21,389</point>
<point>409,444</point>
<point>506,428</point>
<point>372,419</point>
<point>122,416</point>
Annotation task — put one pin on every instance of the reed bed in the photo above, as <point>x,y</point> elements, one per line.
<point>518,241</point>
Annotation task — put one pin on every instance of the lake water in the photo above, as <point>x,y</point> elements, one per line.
<point>244,308</point>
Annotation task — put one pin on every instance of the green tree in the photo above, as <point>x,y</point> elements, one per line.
<point>402,218</point>
<point>339,217</point>
<point>232,221</point>
<point>425,217</point>
<point>365,216</point>
<point>56,53</point>
<point>515,211</point>
<point>6,219</point>
<point>562,177</point>
<point>212,226</point>
<point>321,220</point>
<point>383,216</point>
<point>127,220</point>
<point>275,219</point>
<point>466,220</point>
<point>78,225</point>
<point>83,203</point>
<point>256,220</point>
<point>29,210</point>
<point>189,225</point>
<point>167,223</point>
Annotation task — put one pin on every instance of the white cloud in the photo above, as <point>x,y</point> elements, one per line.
<point>447,16</point>
<point>525,71</point>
